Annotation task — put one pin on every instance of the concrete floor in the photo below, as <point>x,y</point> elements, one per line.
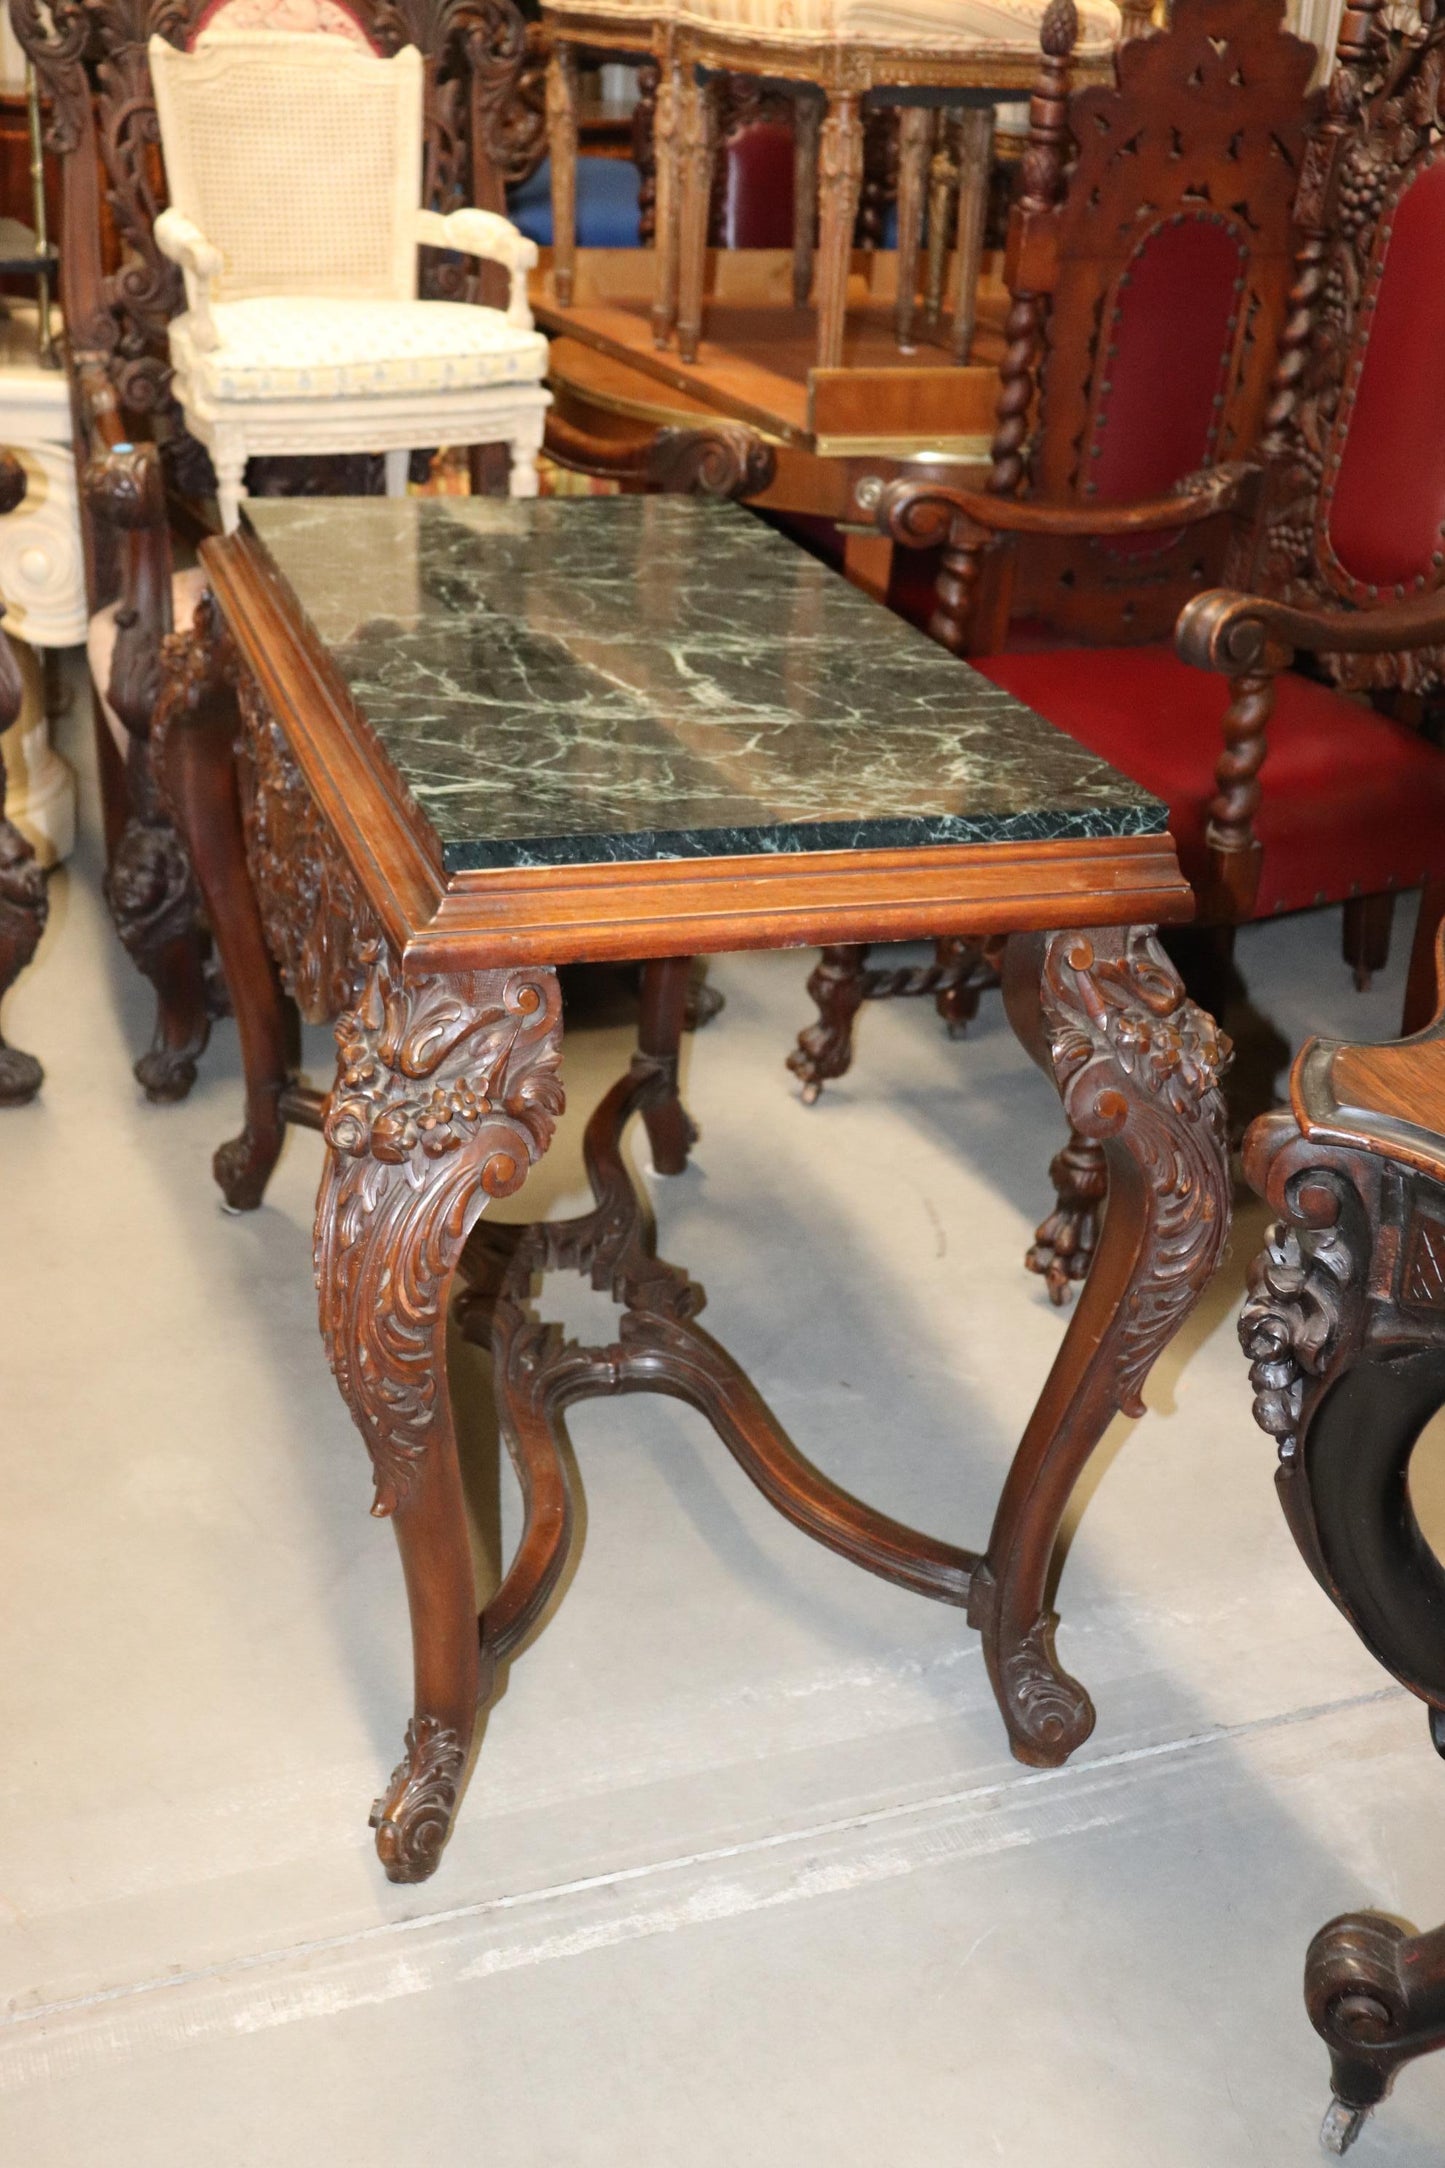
<point>745,1873</point>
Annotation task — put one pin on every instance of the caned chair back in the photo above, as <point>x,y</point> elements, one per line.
<point>298,157</point>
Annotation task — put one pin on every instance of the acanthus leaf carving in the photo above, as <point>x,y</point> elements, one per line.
<point>1300,1286</point>
<point>1129,1048</point>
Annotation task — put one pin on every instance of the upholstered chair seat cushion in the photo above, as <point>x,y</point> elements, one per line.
<point>954,26</point>
<point>1352,802</point>
<point>283,346</point>
<point>187,588</point>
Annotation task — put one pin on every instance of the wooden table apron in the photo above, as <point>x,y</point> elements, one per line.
<point>443,992</point>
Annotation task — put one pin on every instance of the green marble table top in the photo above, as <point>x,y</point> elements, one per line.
<point>584,680</point>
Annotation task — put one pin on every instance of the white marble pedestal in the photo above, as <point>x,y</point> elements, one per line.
<point>42,578</point>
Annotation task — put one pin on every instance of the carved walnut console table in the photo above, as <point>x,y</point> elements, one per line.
<point>474,740</point>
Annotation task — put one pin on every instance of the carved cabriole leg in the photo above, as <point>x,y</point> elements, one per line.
<point>825,1049</point>
<point>193,756</point>
<point>915,134</point>
<point>840,166</point>
<point>446,1090</point>
<point>1137,1066</point>
<point>975,161</point>
<point>562,151</point>
<point>23,902</point>
<point>697,140</point>
<point>807,123</point>
<point>666,153</point>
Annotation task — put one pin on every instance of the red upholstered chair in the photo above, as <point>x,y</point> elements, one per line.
<point>1290,787</point>
<point>1149,258</point>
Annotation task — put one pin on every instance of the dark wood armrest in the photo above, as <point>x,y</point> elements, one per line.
<point>1248,634</point>
<point>716,459</point>
<point>124,489</point>
<point>921,515</point>
<point>13,483</point>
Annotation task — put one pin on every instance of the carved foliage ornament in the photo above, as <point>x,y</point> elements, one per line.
<point>1383,122</point>
<point>1289,1328</point>
<point>446,1090</point>
<point>1129,1047</point>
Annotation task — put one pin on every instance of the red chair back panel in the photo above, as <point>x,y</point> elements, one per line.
<point>1386,515</point>
<point>312,18</point>
<point>758,191</point>
<point>1170,340</point>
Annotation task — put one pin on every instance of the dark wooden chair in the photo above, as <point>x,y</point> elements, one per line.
<point>146,484</point>
<point>1345,1334</point>
<point>1149,255</point>
<point>1337,558</point>
<point>23,901</point>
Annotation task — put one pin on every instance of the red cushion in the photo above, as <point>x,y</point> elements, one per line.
<point>758,190</point>
<point>1352,803</point>
<point>1389,500</point>
<point>1167,360</point>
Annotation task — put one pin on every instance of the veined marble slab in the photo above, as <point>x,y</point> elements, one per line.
<point>567,681</point>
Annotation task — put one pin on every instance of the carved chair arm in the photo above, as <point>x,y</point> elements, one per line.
<point>124,488</point>
<point>717,459</point>
<point>200,260</point>
<point>920,515</point>
<point>1234,632</point>
<point>491,237</point>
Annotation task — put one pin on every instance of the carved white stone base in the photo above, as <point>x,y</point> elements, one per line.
<point>42,576</point>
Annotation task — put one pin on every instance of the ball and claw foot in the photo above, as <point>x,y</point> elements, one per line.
<point>1341,2126</point>
<point>165,1076</point>
<point>1064,1244</point>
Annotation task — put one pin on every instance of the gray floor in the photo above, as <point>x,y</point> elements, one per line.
<point>745,1873</point>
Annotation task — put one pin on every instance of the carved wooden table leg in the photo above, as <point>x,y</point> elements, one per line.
<point>975,162</point>
<point>23,903</point>
<point>153,901</point>
<point>193,755</point>
<point>1137,1066</point>
<point>446,1091</point>
<point>665,986</point>
<point>697,146</point>
<point>807,122</point>
<point>666,121</point>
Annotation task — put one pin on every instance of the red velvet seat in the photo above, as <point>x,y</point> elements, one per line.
<point>1352,803</point>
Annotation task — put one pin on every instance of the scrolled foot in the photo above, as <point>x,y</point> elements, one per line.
<point>1048,1713</point>
<point>1064,1244</point>
<point>1341,2126</point>
<point>413,1818</point>
<point>21,1076</point>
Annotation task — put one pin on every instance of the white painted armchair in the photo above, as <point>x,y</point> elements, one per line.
<point>294,168</point>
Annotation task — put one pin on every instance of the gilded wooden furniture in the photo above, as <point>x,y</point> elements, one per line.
<point>23,901</point>
<point>643,757</point>
<point>119,293</point>
<point>899,52</point>
<point>1160,210</point>
<point>1344,1330</point>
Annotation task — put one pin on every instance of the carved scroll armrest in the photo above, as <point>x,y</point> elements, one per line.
<point>200,261</point>
<point>717,459</point>
<point>1234,632</point>
<point>920,515</point>
<point>495,240</point>
<point>124,488</point>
